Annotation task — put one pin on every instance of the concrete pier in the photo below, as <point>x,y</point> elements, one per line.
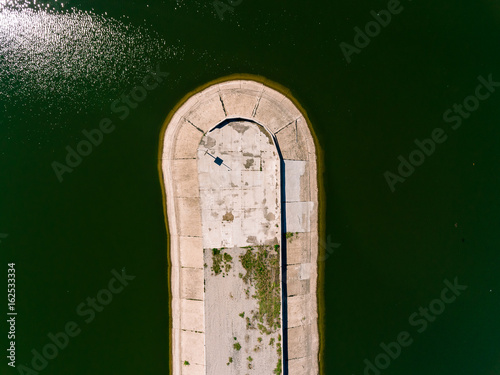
<point>239,172</point>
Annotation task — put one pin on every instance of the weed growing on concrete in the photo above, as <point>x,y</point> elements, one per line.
<point>277,370</point>
<point>263,272</point>
<point>263,329</point>
<point>221,261</point>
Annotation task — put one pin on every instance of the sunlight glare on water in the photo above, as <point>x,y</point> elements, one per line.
<point>69,60</point>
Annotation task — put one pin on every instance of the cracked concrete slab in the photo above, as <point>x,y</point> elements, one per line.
<point>238,209</point>
<point>223,189</point>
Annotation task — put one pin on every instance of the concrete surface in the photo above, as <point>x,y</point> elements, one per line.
<point>225,299</point>
<point>189,208</point>
<point>240,201</point>
<point>245,188</point>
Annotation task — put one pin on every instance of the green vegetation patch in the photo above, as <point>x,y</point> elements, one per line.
<point>263,273</point>
<point>221,261</point>
<point>277,370</point>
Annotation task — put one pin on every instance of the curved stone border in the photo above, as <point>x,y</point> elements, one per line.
<point>254,101</point>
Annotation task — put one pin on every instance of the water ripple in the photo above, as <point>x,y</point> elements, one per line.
<point>70,60</point>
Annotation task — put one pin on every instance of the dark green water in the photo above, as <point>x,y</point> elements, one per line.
<point>396,247</point>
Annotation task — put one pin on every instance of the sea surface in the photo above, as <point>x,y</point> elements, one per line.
<point>71,228</point>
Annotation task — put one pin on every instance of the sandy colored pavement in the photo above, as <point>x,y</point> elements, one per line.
<point>208,207</point>
<point>240,206</point>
